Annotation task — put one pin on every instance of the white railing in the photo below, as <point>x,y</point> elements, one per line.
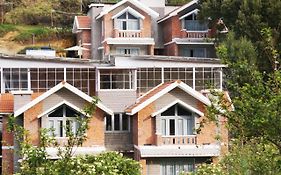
<point>179,140</point>
<point>128,34</point>
<point>197,34</point>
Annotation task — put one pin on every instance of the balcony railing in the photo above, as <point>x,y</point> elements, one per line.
<point>197,34</point>
<point>127,34</point>
<point>179,140</point>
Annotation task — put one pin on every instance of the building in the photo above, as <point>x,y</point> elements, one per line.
<point>151,65</point>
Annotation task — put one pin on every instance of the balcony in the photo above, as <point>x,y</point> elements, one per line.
<point>127,34</point>
<point>197,34</point>
<point>179,140</point>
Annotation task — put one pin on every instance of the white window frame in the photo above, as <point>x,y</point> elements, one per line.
<point>118,49</point>
<point>120,124</point>
<point>119,22</point>
<point>177,117</point>
<point>132,80</point>
<point>19,89</point>
<point>64,119</point>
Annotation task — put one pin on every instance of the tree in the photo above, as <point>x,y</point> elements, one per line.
<point>247,19</point>
<point>35,160</point>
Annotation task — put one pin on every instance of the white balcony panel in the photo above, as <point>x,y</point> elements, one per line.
<point>179,151</point>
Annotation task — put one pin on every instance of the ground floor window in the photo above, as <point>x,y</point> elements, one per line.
<point>176,168</point>
<point>117,122</point>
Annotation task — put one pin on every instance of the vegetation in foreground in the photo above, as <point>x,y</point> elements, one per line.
<point>35,160</point>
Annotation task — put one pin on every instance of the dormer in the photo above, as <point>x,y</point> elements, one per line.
<point>128,19</point>
<point>127,26</point>
<point>189,22</point>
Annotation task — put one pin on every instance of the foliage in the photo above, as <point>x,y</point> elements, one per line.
<point>35,159</point>
<point>248,18</point>
<point>5,28</point>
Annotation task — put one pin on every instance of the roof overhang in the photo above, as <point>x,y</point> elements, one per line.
<point>62,103</point>
<point>179,151</point>
<point>138,4</point>
<point>134,41</point>
<point>195,11</point>
<point>55,89</point>
<point>197,95</point>
<point>131,11</point>
<point>175,12</point>
<point>183,104</point>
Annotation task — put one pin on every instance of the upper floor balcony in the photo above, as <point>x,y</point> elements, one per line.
<point>195,29</point>
<point>127,33</point>
<point>178,140</point>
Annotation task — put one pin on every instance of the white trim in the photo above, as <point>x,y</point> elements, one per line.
<point>21,92</point>
<point>134,2</point>
<point>7,147</point>
<point>55,89</point>
<point>62,103</point>
<point>174,13</point>
<point>187,106</point>
<point>2,81</point>
<point>131,11</point>
<point>180,85</point>
<point>195,11</point>
<point>134,41</point>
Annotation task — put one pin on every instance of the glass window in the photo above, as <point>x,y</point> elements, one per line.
<point>63,121</point>
<point>116,79</point>
<point>127,21</point>
<point>120,121</point>
<point>128,51</point>
<point>177,121</point>
<point>192,24</point>
<point>15,79</point>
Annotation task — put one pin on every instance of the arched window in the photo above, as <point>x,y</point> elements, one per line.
<point>127,21</point>
<point>177,121</point>
<point>63,118</point>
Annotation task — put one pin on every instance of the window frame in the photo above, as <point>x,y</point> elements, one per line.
<point>186,120</point>
<point>119,22</point>
<point>64,120</point>
<point>128,49</point>
<point>132,79</point>
<point>112,117</point>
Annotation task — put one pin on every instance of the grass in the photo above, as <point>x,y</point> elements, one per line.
<point>5,28</point>
<point>27,32</point>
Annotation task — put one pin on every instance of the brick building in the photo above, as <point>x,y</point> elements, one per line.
<point>150,65</point>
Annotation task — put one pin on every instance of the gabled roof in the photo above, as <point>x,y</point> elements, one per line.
<point>176,11</point>
<point>6,103</point>
<point>81,22</point>
<point>162,89</point>
<point>131,11</point>
<point>183,104</point>
<point>64,102</point>
<point>54,90</point>
<point>134,2</point>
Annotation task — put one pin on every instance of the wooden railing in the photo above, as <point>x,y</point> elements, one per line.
<point>127,34</point>
<point>179,140</point>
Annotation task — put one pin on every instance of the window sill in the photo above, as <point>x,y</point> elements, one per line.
<point>22,92</point>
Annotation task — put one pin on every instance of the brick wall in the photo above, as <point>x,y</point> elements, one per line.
<point>145,126</point>
<point>95,132</point>
<point>7,154</point>
<point>32,123</point>
<point>171,49</point>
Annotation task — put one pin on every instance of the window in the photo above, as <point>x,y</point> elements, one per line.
<point>117,122</point>
<point>63,120</point>
<point>192,24</point>
<point>127,21</point>
<point>177,121</point>
<point>176,168</point>
<point>194,52</point>
<point>117,79</point>
<point>15,79</point>
<point>128,51</point>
